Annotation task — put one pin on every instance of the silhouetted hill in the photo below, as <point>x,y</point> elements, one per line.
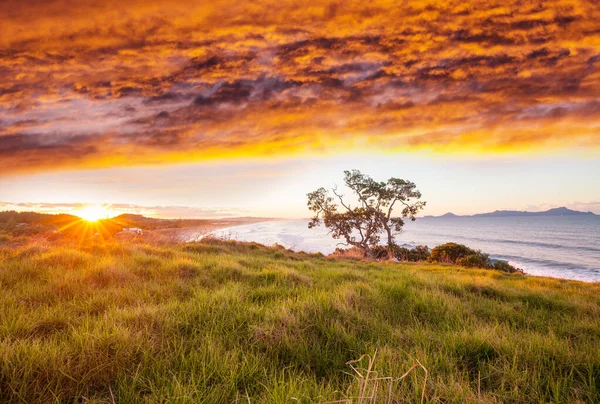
<point>66,221</point>
<point>445,215</point>
<point>562,211</point>
<point>34,218</point>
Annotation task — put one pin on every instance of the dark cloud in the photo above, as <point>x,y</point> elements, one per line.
<point>163,98</point>
<point>94,84</point>
<point>234,93</point>
<point>24,143</point>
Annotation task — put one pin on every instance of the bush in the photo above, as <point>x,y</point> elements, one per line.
<point>477,260</point>
<point>379,252</point>
<point>450,252</point>
<point>459,254</point>
<point>506,267</point>
<point>401,253</point>
<point>419,253</point>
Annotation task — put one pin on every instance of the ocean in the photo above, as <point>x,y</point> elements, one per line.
<point>557,246</point>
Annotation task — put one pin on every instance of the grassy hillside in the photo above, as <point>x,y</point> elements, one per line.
<point>230,322</point>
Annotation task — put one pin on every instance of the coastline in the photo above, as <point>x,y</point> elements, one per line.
<point>196,233</point>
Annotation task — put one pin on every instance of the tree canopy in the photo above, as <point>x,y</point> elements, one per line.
<point>363,225</point>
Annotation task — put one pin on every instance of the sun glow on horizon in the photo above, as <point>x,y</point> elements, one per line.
<point>93,213</point>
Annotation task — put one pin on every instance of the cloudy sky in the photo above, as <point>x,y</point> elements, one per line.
<point>240,108</point>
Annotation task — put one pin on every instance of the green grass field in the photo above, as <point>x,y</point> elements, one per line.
<point>226,322</point>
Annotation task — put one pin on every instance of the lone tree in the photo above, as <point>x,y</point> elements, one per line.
<point>362,226</point>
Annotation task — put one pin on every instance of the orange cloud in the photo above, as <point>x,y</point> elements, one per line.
<point>112,84</point>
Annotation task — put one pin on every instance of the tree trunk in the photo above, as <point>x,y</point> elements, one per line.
<point>390,244</point>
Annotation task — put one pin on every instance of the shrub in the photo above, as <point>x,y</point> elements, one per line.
<point>477,260</point>
<point>379,252</point>
<point>419,253</point>
<point>401,253</point>
<point>506,267</point>
<point>459,254</point>
<point>450,253</point>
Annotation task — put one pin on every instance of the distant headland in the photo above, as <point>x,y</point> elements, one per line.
<point>562,211</point>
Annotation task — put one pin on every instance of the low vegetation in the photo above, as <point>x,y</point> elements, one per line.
<point>449,253</point>
<point>453,253</point>
<point>222,321</point>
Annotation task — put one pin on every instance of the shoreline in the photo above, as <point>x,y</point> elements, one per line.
<point>201,231</point>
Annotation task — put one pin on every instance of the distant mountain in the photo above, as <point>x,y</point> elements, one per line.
<point>445,215</point>
<point>562,211</point>
<point>116,223</point>
<point>34,218</point>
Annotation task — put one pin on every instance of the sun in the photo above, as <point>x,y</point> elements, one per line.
<point>93,213</point>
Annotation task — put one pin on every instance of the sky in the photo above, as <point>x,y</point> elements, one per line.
<point>240,108</point>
